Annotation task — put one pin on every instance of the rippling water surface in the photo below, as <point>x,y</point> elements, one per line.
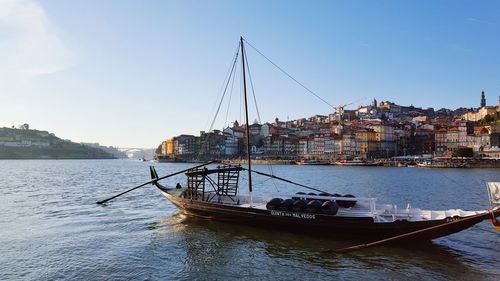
<point>51,228</point>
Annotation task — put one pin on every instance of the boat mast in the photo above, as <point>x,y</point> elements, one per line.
<point>246,115</point>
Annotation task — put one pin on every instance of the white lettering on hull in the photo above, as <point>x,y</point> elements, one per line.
<point>293,215</point>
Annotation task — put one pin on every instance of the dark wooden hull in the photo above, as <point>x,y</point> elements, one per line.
<point>361,228</point>
<point>358,164</point>
<point>165,159</point>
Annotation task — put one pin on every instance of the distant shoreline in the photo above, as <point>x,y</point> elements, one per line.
<point>61,158</point>
<point>25,143</point>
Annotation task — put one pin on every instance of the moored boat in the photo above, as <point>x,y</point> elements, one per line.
<point>213,193</point>
<point>357,162</point>
<point>432,164</point>
<point>168,159</point>
<point>312,162</point>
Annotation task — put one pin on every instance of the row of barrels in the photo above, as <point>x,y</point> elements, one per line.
<point>308,205</point>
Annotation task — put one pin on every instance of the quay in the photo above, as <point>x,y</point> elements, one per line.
<point>444,162</point>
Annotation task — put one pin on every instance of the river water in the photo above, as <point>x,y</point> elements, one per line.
<point>51,228</point>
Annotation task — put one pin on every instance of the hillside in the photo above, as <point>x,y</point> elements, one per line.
<point>35,144</point>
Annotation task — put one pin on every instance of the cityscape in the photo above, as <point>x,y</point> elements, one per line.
<point>379,130</point>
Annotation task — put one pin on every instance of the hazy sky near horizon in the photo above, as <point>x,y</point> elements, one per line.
<point>133,73</point>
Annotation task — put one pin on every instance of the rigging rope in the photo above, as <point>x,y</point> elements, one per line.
<point>225,91</point>
<point>226,83</point>
<point>272,173</point>
<point>253,91</point>
<point>290,76</point>
<point>285,180</point>
<point>222,85</point>
<point>230,96</point>
<point>272,178</point>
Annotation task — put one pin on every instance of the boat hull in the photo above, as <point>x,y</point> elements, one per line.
<point>360,228</point>
<point>322,163</point>
<point>355,164</point>
<point>167,159</point>
<point>438,166</point>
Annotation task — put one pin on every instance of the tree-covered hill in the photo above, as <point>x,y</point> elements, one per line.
<point>24,143</point>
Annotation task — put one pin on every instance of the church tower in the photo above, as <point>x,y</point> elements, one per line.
<point>483,100</point>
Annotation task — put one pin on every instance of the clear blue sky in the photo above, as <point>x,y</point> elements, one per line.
<point>132,73</point>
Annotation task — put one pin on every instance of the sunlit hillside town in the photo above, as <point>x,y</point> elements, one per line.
<point>380,130</point>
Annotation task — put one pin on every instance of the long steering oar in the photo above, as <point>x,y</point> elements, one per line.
<point>151,181</point>
<point>481,216</point>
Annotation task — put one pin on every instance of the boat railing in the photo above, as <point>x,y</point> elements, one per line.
<point>221,198</point>
<point>364,205</point>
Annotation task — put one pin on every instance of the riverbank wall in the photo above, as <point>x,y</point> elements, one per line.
<point>449,163</point>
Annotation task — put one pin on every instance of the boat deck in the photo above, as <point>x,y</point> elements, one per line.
<point>365,207</point>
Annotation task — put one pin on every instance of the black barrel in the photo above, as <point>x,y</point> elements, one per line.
<point>312,194</point>
<point>346,204</point>
<point>274,204</point>
<point>324,194</point>
<point>297,197</point>
<point>299,205</point>
<point>313,206</point>
<point>286,205</point>
<point>329,208</point>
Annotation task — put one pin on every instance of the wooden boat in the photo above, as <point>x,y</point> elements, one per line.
<point>432,164</point>
<point>168,159</point>
<point>357,162</point>
<point>212,192</point>
<point>312,162</point>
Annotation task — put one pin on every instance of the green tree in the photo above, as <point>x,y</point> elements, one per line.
<point>488,118</point>
<point>462,152</point>
<point>158,149</point>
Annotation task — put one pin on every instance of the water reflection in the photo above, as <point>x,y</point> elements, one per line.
<point>226,248</point>
<point>172,223</point>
